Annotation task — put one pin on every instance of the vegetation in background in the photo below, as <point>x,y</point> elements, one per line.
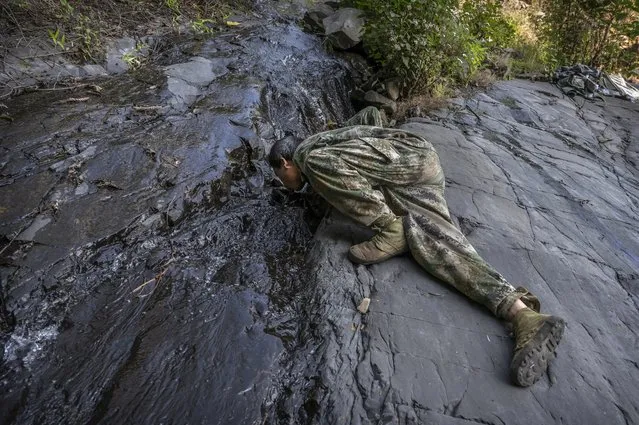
<point>135,57</point>
<point>427,44</point>
<point>432,45</point>
<point>527,54</point>
<point>85,37</point>
<point>593,32</point>
<point>487,22</point>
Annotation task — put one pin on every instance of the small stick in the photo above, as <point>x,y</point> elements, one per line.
<point>148,108</point>
<point>74,100</point>
<point>12,239</point>
<point>79,86</point>
<point>97,89</point>
<point>157,277</point>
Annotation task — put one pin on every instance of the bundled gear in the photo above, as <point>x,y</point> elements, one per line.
<point>592,83</point>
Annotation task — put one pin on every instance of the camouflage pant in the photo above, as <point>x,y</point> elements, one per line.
<point>373,175</point>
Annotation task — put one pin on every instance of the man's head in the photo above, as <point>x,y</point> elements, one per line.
<point>281,159</point>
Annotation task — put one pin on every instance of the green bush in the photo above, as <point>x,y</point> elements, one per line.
<point>434,44</point>
<point>426,44</point>
<point>487,23</point>
<point>532,59</point>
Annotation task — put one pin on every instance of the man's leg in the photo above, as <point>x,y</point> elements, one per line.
<point>442,250</point>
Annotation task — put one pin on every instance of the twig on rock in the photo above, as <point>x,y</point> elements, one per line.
<point>74,100</point>
<point>157,278</point>
<point>12,239</point>
<point>148,108</point>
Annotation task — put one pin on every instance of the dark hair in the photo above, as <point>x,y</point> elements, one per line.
<point>282,149</point>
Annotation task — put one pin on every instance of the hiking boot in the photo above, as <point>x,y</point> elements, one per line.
<point>537,336</point>
<point>389,242</point>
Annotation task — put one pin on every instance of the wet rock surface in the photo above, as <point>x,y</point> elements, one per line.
<point>547,190</point>
<point>147,275</point>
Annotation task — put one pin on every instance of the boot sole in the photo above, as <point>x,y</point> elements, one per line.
<point>532,361</point>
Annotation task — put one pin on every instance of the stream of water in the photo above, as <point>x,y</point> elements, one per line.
<point>152,278</point>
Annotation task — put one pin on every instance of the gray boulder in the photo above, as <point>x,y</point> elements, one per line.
<point>344,28</point>
<point>314,18</point>
<point>392,89</point>
<point>372,98</point>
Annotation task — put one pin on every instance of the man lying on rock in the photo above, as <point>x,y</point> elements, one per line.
<point>391,181</point>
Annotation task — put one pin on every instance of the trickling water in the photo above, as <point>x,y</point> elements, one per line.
<point>154,280</point>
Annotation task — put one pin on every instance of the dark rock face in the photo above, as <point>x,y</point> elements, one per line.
<point>548,192</point>
<point>361,99</point>
<point>146,276</point>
